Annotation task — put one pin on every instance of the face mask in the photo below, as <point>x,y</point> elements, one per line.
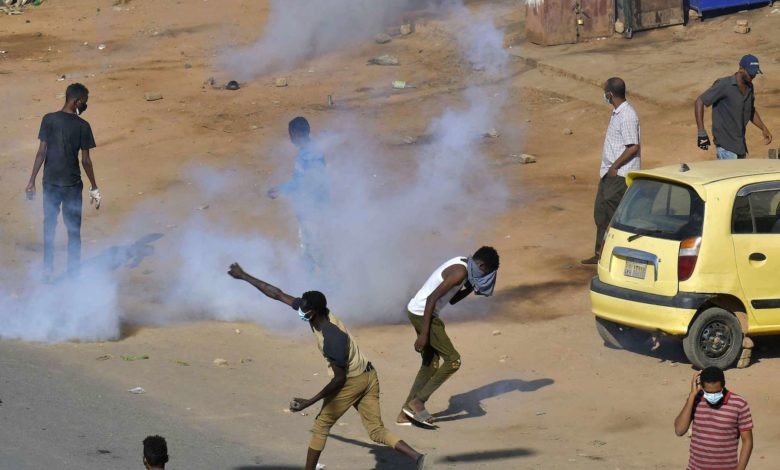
<point>80,109</point>
<point>607,97</point>
<point>713,398</point>
<point>302,315</point>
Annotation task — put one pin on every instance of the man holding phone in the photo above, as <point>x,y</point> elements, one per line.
<point>720,418</point>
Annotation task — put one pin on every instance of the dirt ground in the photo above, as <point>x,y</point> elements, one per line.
<point>544,393</point>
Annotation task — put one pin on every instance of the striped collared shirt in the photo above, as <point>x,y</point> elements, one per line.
<point>715,432</point>
<point>623,130</point>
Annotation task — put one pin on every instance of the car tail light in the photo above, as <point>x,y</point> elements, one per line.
<point>686,260</point>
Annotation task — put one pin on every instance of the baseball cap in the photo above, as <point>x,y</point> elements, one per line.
<point>750,64</point>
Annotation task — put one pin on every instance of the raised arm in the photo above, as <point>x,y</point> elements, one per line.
<point>683,420</point>
<point>271,291</point>
<point>453,276</point>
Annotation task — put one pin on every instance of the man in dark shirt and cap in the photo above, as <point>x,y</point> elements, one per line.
<point>733,106</point>
<point>61,136</point>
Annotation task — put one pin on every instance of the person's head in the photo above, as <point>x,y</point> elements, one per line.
<point>314,305</point>
<point>76,96</point>
<point>486,259</point>
<point>748,68</point>
<point>614,91</point>
<point>299,130</point>
<point>155,452</point>
<point>712,380</point>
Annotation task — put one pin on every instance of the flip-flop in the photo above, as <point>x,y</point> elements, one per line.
<point>403,423</point>
<point>422,418</point>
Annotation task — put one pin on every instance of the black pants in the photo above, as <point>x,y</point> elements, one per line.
<point>610,192</point>
<point>69,198</point>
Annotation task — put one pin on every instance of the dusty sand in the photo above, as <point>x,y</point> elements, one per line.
<point>545,393</point>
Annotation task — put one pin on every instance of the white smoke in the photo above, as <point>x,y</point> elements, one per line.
<point>381,234</point>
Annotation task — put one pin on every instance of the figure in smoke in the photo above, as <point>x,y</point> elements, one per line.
<point>307,190</point>
<point>62,135</point>
<point>452,282</point>
<point>355,382</point>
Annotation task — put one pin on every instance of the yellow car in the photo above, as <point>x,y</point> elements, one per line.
<point>693,251</point>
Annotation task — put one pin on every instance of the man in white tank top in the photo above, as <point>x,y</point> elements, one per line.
<point>354,382</point>
<point>449,284</point>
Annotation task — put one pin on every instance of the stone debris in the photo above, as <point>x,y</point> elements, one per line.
<point>491,134</point>
<point>497,332</point>
<point>382,38</point>
<point>410,140</point>
<point>187,65</point>
<point>137,390</point>
<point>406,29</point>
<point>568,131</point>
<point>104,357</point>
<point>220,362</point>
<point>742,27</point>
<point>384,59</point>
<point>152,96</point>
<point>203,207</point>
<point>524,158</point>
<point>232,85</point>
<point>280,82</point>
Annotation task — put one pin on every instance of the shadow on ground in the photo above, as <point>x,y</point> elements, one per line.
<point>469,404</point>
<point>386,458</point>
<point>486,455</point>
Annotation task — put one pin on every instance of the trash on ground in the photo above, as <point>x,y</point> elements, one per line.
<point>496,332</point>
<point>492,133</point>
<point>524,158</point>
<point>152,96</point>
<point>384,59</point>
<point>129,357</point>
<point>280,82</point>
<point>568,131</point>
<point>232,85</point>
<point>406,29</point>
<point>401,85</point>
<point>203,207</point>
<point>137,390</point>
<point>101,46</point>
<point>220,362</point>
<point>182,363</point>
<point>382,38</point>
<point>104,357</point>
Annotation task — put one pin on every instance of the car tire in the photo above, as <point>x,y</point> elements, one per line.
<point>617,336</point>
<point>714,339</point>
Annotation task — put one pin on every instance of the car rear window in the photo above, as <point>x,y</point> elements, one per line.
<point>660,209</point>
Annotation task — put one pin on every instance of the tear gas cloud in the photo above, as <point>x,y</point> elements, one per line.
<point>378,237</point>
<point>301,29</point>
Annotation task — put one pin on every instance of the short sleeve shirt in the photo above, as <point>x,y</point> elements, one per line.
<point>715,433</point>
<point>731,112</point>
<point>623,130</point>
<point>331,343</point>
<point>64,134</point>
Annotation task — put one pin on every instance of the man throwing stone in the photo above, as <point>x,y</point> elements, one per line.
<point>355,381</point>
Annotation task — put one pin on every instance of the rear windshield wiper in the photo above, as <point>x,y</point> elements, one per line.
<point>640,235</point>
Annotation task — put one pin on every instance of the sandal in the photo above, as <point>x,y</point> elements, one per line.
<point>423,418</point>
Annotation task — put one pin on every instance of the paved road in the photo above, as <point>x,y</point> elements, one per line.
<point>51,417</point>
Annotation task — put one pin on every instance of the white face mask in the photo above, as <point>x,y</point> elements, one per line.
<point>302,315</point>
<point>713,398</point>
<point>607,98</point>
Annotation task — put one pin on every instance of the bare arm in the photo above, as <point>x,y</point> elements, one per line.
<point>333,387</point>
<point>747,449</point>
<point>270,291</point>
<point>453,276</point>
<point>683,420</point>
<point>760,124</point>
<point>698,109</point>
<point>86,162</point>
<point>40,157</point>
<point>629,153</point>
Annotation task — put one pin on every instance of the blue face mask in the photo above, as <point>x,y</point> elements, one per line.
<point>713,398</point>
<point>302,315</point>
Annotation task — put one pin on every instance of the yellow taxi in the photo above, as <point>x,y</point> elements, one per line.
<point>693,251</point>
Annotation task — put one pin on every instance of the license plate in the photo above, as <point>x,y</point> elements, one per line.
<point>635,268</point>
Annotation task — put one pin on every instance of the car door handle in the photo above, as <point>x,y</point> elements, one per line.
<point>757,257</point>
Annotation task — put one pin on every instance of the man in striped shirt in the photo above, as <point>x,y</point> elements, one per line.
<point>720,420</point>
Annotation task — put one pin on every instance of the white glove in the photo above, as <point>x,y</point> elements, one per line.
<point>94,197</point>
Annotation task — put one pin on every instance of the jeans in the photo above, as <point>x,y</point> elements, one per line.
<point>724,154</point>
<point>69,198</point>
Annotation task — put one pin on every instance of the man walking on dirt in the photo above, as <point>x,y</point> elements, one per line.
<point>721,419</point>
<point>307,189</point>
<point>620,155</point>
<point>355,381</point>
<point>452,282</point>
<point>733,106</point>
<point>62,135</point>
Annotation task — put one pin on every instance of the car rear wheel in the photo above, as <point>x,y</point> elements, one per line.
<point>714,339</point>
<point>618,336</point>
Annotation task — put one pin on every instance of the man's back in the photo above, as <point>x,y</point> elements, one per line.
<point>65,134</point>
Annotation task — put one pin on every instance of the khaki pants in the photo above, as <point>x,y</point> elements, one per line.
<point>362,392</point>
<point>430,376</point>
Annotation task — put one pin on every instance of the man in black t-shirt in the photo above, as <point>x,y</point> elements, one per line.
<point>61,136</point>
